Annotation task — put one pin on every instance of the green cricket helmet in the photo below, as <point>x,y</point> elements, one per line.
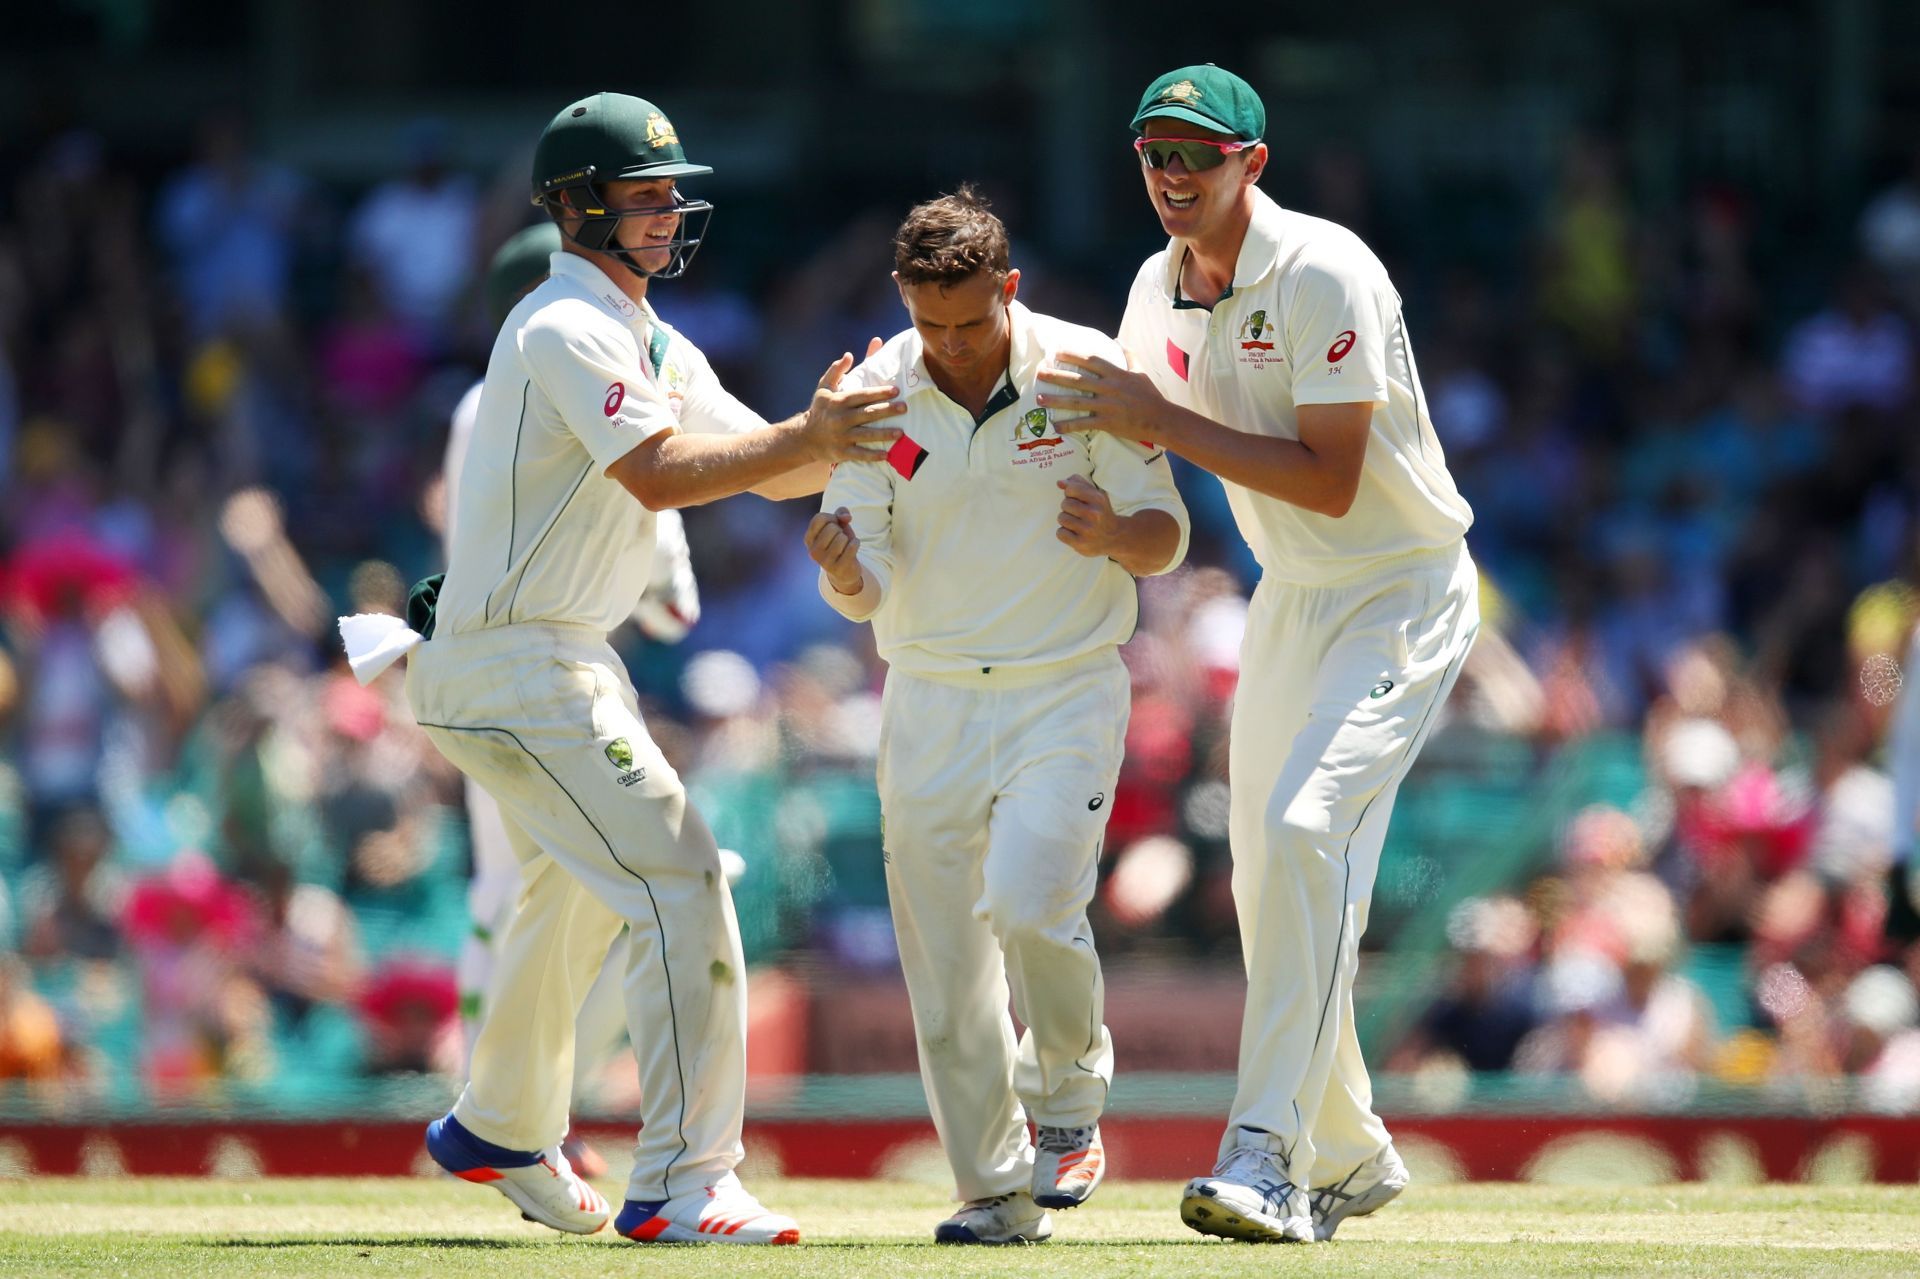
<point>517,266</point>
<point>611,137</point>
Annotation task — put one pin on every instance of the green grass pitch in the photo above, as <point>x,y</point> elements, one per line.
<point>446,1230</point>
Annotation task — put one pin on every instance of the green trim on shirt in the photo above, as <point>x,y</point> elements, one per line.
<point>657,348</point>
<point>1005,397</point>
<point>1181,304</point>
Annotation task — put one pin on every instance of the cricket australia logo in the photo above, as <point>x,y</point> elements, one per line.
<point>676,389</point>
<point>620,755</point>
<point>1183,93</point>
<point>1257,336</point>
<point>660,132</point>
<point>1035,438</point>
<point>1035,423</point>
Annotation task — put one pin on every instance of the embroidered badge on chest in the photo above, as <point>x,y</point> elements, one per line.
<point>674,380</point>
<point>1257,338</point>
<point>1037,441</point>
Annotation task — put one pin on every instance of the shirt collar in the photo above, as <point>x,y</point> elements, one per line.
<point>1259,251</point>
<point>637,315</point>
<point>1024,358</point>
<point>1025,355</point>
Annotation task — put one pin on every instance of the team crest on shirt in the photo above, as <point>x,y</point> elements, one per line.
<point>1036,440</point>
<point>620,755</point>
<point>675,380</point>
<point>1257,335</point>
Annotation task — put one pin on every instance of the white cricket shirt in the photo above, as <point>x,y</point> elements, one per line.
<point>579,375</point>
<point>958,530</point>
<point>1311,318</point>
<point>669,607</point>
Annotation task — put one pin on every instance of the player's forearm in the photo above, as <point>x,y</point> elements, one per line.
<point>1146,543</point>
<point>688,470</point>
<point>1283,469</point>
<point>856,605</point>
<point>802,481</point>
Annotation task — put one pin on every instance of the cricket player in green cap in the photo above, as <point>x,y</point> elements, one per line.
<point>1274,353</point>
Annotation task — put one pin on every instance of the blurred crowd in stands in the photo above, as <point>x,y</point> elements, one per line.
<point>223,399</point>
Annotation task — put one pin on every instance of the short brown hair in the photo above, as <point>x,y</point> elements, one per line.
<point>950,239</point>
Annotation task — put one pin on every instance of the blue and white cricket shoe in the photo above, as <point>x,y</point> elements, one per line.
<point>1249,1196</point>
<point>997,1219</point>
<point>1364,1190</point>
<point>541,1183</point>
<point>721,1213</point>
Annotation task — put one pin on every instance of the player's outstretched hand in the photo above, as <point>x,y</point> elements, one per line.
<point>850,426</point>
<point>1107,397</point>
<point>1087,521</point>
<point>833,546</point>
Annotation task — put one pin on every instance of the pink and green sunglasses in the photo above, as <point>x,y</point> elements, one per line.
<point>1195,153</point>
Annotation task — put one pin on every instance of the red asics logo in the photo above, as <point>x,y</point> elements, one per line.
<point>615,393</point>
<point>1341,345</point>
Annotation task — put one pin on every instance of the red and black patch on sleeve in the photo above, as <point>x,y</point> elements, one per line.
<point>906,457</point>
<point>1177,360</point>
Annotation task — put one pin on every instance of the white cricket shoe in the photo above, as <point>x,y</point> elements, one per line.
<point>1249,1196</point>
<point>1013,1218</point>
<point>1366,1189</point>
<point>541,1183</point>
<point>721,1213</point>
<point>1068,1165</point>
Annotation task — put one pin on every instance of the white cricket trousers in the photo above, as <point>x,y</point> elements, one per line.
<point>994,788</point>
<point>544,718</point>
<point>1339,687</point>
<point>493,894</point>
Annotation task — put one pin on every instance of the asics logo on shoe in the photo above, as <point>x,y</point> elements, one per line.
<point>1327,1196</point>
<point>1274,1194</point>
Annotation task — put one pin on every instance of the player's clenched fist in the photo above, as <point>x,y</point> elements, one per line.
<point>1087,521</point>
<point>833,546</point>
<point>849,426</point>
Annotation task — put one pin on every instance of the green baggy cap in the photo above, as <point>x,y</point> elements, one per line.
<point>1208,96</point>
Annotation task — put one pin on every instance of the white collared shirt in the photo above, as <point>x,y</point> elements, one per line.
<point>958,531</point>
<point>1311,318</point>
<point>540,534</point>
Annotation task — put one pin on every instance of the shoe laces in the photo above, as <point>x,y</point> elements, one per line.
<point>986,1205</point>
<point>1249,1164</point>
<point>1261,1171</point>
<point>1062,1141</point>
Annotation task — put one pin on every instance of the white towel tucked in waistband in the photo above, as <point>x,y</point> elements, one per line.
<point>375,641</point>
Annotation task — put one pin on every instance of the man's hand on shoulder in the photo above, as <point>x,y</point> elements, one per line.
<point>1094,394</point>
<point>849,426</point>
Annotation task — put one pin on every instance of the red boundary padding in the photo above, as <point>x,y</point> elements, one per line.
<point>1486,1147</point>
